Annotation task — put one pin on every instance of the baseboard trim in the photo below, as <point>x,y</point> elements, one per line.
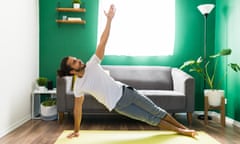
<point>15,125</point>
<point>216,115</point>
<point>236,123</point>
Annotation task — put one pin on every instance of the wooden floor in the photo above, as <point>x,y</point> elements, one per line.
<point>46,132</point>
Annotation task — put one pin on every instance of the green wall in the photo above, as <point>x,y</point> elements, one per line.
<point>59,40</point>
<point>227,36</point>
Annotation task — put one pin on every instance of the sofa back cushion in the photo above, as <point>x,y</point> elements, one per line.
<point>143,77</point>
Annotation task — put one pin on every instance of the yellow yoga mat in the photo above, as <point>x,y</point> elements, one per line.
<point>133,137</point>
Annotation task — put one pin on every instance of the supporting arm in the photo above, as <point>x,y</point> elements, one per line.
<point>78,102</point>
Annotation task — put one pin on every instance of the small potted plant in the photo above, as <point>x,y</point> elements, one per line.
<point>76,3</point>
<point>42,83</point>
<point>48,109</point>
<point>200,66</point>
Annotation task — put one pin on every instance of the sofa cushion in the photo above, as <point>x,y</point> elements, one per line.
<point>170,100</point>
<point>143,77</point>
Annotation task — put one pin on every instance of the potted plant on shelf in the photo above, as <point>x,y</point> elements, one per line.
<point>200,66</point>
<point>48,109</point>
<point>42,83</point>
<point>76,3</point>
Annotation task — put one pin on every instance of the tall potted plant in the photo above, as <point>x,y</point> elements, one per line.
<point>201,67</point>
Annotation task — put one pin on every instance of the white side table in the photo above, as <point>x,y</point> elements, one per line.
<point>36,97</point>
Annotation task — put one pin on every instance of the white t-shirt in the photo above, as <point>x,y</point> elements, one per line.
<point>99,84</point>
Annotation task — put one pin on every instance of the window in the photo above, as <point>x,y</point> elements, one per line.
<point>140,27</point>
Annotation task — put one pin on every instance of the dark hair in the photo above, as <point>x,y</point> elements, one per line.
<point>64,68</point>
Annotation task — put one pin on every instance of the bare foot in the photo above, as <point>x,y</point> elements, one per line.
<point>188,132</point>
<point>72,135</point>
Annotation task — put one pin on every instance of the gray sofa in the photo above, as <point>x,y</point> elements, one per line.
<point>170,88</point>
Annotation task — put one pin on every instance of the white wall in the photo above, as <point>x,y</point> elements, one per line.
<point>19,61</point>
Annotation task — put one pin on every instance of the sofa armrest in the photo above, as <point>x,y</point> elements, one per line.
<point>61,94</point>
<point>184,83</point>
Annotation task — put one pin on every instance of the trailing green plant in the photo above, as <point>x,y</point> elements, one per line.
<point>42,81</point>
<point>200,66</point>
<point>49,102</point>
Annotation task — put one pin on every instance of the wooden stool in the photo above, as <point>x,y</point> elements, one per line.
<point>221,108</point>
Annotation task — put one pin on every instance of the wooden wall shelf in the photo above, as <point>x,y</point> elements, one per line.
<point>71,21</point>
<point>71,9</point>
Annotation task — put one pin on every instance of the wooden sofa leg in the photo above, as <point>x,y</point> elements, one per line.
<point>60,117</point>
<point>189,118</point>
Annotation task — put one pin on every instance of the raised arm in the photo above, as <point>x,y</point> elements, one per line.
<point>104,37</point>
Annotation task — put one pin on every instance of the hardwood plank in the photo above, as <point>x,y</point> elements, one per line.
<point>46,132</point>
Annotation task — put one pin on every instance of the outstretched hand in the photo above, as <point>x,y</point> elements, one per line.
<point>111,12</point>
<point>72,135</point>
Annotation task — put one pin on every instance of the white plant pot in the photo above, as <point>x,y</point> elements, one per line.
<point>42,88</point>
<point>76,5</point>
<point>48,112</point>
<point>214,96</point>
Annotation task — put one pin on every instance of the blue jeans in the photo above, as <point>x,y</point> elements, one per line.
<point>137,106</point>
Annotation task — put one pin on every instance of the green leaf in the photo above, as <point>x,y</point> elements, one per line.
<point>187,63</point>
<point>199,60</point>
<point>76,1</point>
<point>49,102</point>
<point>235,67</point>
<point>198,70</point>
<point>223,52</point>
<point>42,81</point>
